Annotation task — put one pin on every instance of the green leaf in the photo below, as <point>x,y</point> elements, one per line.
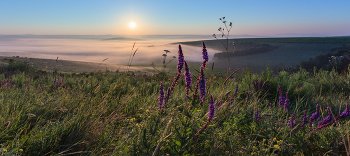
<point>177,142</point>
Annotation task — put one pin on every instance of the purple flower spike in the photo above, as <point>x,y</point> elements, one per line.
<point>257,115</point>
<point>202,88</point>
<point>188,79</point>
<point>304,121</point>
<point>344,114</point>
<point>161,95</point>
<point>211,115</point>
<point>281,97</point>
<point>180,63</point>
<point>211,108</point>
<point>291,122</point>
<point>286,103</point>
<point>326,120</point>
<point>205,55</point>
<point>315,116</point>
<point>236,90</point>
<point>304,118</point>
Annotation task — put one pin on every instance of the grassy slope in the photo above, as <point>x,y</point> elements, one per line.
<point>291,51</point>
<point>117,114</point>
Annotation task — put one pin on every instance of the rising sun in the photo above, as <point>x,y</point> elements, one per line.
<point>132,25</point>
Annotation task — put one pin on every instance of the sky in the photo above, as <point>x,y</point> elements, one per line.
<point>180,17</point>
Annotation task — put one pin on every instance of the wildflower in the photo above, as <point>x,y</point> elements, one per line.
<point>188,79</point>
<point>291,122</point>
<point>161,95</point>
<point>21,150</point>
<point>201,75</point>
<point>168,93</point>
<point>326,120</point>
<point>211,108</point>
<point>286,103</point>
<point>180,63</point>
<point>236,90</point>
<point>210,116</point>
<point>257,115</point>
<point>304,121</point>
<point>4,150</point>
<point>202,86</point>
<point>315,116</point>
<point>344,114</point>
<point>281,97</point>
<point>277,146</point>
<point>205,55</point>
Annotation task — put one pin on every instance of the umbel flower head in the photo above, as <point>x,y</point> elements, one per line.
<point>315,116</point>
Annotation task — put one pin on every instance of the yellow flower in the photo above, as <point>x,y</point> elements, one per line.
<point>4,150</point>
<point>276,146</point>
<point>274,139</point>
<point>254,148</point>
<point>21,150</point>
<point>279,141</point>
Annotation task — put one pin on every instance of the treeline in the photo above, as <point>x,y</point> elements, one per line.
<point>255,49</point>
<point>338,59</point>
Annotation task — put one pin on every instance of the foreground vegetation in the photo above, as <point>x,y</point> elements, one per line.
<point>119,114</point>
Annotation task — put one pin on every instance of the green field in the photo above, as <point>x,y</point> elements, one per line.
<point>290,51</point>
<point>116,113</point>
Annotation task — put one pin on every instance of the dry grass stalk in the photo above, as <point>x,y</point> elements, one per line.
<point>161,138</point>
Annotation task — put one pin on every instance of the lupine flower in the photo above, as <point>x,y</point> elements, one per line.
<point>161,95</point>
<point>291,122</point>
<point>210,116</point>
<point>281,97</point>
<point>315,116</point>
<point>205,56</point>
<point>286,103</point>
<point>344,114</point>
<point>188,79</point>
<point>326,120</point>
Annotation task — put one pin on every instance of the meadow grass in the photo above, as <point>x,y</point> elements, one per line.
<point>113,113</point>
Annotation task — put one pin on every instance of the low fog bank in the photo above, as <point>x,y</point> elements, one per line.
<point>97,48</point>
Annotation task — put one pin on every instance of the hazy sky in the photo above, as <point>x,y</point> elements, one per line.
<point>177,17</point>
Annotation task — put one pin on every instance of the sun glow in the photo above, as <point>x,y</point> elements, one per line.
<point>132,25</point>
